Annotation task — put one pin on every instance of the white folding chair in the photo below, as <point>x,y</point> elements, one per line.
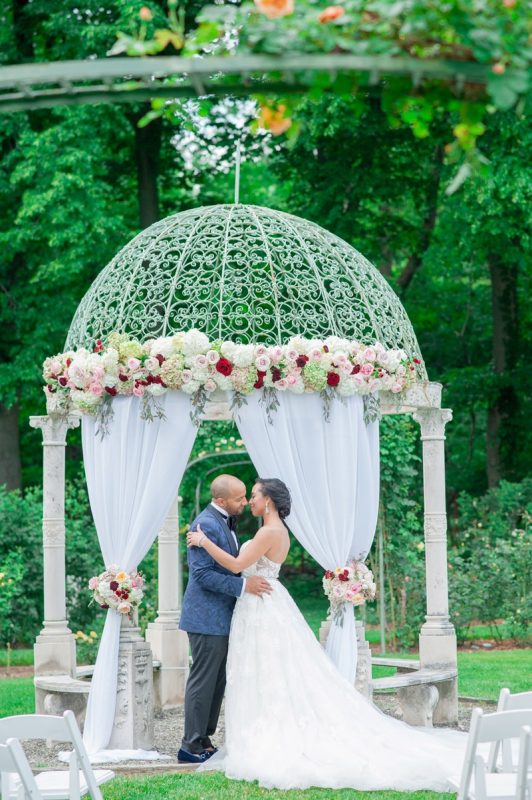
<point>80,779</point>
<point>501,753</point>
<point>15,770</point>
<point>487,728</point>
<point>524,779</point>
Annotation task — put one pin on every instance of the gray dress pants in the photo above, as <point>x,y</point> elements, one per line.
<point>205,688</point>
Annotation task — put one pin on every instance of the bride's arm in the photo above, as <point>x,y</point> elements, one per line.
<point>258,546</point>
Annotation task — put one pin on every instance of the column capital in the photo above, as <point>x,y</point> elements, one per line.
<point>432,422</point>
<point>54,427</point>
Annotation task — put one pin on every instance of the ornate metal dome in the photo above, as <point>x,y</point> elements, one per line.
<point>245,273</point>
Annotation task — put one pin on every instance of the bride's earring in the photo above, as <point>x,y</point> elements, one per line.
<point>267,508</point>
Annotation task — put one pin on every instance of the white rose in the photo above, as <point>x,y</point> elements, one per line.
<point>195,342</point>
<point>243,355</point>
<point>299,344</point>
<point>201,361</point>
<point>348,386</point>
<point>335,343</point>
<point>210,385</point>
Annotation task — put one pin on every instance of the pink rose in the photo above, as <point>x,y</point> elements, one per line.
<point>138,390</point>
<point>316,354</point>
<point>276,353</point>
<point>370,354</point>
<point>397,387</point>
<point>340,359</point>
<point>213,357</point>
<point>367,369</point>
<point>133,364</point>
<point>186,376</point>
<point>260,350</point>
<point>93,583</point>
<point>201,361</point>
<point>282,384</point>
<point>96,389</point>
<point>262,363</point>
<point>292,355</point>
<point>55,367</point>
<point>98,373</point>
<point>210,385</point>
<point>152,363</point>
<point>292,380</point>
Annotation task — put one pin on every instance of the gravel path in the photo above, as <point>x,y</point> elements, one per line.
<point>169,730</point>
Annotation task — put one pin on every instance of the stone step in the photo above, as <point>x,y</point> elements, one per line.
<point>398,663</point>
<point>416,678</point>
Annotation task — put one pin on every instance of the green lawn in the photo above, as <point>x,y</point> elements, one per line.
<point>17,658</point>
<point>202,787</point>
<point>16,696</point>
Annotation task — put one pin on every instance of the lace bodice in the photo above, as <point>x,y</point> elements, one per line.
<point>263,567</point>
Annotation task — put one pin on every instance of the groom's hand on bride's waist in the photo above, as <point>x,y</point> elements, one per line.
<point>257,585</point>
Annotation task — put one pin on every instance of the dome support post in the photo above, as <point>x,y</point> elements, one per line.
<point>437,638</point>
<point>55,646</point>
<point>169,644</point>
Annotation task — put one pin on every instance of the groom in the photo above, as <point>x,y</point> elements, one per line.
<point>208,606</point>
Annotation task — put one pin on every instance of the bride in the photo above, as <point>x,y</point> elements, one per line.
<point>291,720</point>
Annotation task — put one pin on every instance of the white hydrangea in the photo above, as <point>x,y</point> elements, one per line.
<point>336,343</point>
<point>109,360</point>
<point>229,350</point>
<point>299,344</point>
<point>347,386</point>
<point>243,356</point>
<point>195,342</point>
<point>156,389</point>
<point>223,382</point>
<point>190,387</point>
<point>164,346</point>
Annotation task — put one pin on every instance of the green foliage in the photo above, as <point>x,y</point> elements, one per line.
<point>11,579</point>
<point>489,569</point>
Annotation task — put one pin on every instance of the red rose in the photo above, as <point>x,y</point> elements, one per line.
<point>114,585</point>
<point>104,605</point>
<point>110,390</point>
<point>260,380</point>
<point>325,348</point>
<point>224,366</point>
<point>50,388</point>
<point>98,347</point>
<point>343,577</point>
<point>328,574</point>
<point>125,595</point>
<point>355,370</point>
<point>160,359</point>
<point>123,377</point>
<point>301,361</point>
<point>417,361</point>
<point>63,381</point>
<point>68,362</point>
<point>333,379</point>
<point>276,374</point>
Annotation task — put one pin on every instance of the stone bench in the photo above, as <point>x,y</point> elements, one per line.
<point>54,694</point>
<point>423,694</point>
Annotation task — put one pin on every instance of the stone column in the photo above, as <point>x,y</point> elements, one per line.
<point>55,647</point>
<point>437,638</point>
<point>169,645</point>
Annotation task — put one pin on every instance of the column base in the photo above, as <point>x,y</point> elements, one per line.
<point>134,718</point>
<point>169,646</point>
<point>54,651</point>
<point>437,648</point>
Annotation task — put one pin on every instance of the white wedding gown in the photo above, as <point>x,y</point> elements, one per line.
<point>292,721</point>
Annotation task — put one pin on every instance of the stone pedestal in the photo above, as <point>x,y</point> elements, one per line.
<point>133,724</point>
<point>437,638</point>
<point>363,674</point>
<point>169,645</point>
<point>55,647</point>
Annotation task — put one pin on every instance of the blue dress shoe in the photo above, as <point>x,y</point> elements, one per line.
<point>184,757</point>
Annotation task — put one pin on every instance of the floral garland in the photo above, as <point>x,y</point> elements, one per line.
<point>190,362</point>
<point>352,584</point>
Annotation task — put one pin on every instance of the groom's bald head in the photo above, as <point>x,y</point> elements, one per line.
<point>229,493</point>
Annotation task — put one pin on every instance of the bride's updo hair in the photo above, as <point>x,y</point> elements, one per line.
<point>278,493</point>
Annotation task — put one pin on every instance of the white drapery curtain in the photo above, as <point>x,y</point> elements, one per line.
<point>133,474</point>
<point>332,471</point>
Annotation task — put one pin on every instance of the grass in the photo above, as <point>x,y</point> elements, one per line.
<point>17,696</point>
<point>17,658</point>
<point>200,787</point>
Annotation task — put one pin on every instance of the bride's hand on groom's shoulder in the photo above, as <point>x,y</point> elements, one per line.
<point>194,538</point>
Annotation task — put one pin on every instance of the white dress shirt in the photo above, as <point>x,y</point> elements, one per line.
<point>224,513</point>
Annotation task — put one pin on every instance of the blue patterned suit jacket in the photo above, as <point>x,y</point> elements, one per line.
<point>211,591</point>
